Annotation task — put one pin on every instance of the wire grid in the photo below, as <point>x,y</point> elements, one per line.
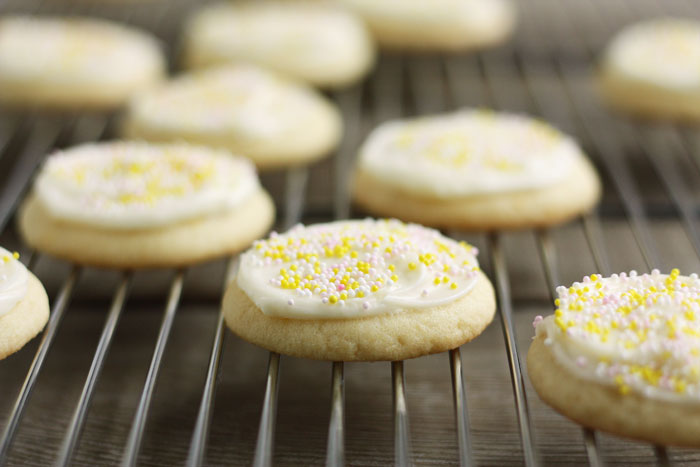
<point>531,75</point>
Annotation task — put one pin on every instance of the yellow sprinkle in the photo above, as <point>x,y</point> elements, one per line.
<point>412,266</point>
<point>453,286</point>
<point>392,268</point>
<point>436,281</point>
<point>394,278</point>
<point>333,299</point>
<point>343,296</point>
<point>374,288</point>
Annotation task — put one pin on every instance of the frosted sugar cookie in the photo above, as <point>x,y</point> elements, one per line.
<point>74,62</point>
<point>436,25</point>
<point>133,205</point>
<point>24,307</point>
<point>359,290</point>
<point>245,109</point>
<point>653,69</point>
<point>474,169</point>
<point>622,354</point>
<point>314,42</point>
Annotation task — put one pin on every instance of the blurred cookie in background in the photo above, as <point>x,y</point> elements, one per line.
<point>474,170</point>
<point>315,42</point>
<point>437,25</point>
<point>271,120</point>
<point>69,63</point>
<point>652,69</point>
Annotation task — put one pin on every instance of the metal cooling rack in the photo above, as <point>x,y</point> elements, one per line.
<point>651,173</point>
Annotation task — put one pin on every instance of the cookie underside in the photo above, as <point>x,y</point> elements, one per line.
<point>396,336</point>
<point>555,204</point>
<point>25,320</point>
<point>170,246</point>
<point>603,408</point>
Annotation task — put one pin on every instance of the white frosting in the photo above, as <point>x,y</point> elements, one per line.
<point>468,16</point>
<point>638,333</point>
<point>243,100</point>
<point>14,278</point>
<point>470,152</point>
<point>136,185</point>
<point>664,52</point>
<point>75,51</point>
<point>303,39</point>
<point>350,269</point>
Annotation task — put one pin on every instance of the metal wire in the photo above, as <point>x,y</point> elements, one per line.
<point>459,396</point>
<point>25,392</point>
<point>506,315</point>
<point>402,434</point>
<point>137,427</point>
<point>335,452</point>
<point>79,416</point>
<point>264,449</point>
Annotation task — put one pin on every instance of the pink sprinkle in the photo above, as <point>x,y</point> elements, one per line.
<point>537,321</point>
<point>341,287</point>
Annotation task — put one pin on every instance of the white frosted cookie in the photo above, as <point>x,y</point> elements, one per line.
<point>436,25</point>
<point>359,290</point>
<point>74,62</point>
<point>622,354</point>
<point>474,169</point>
<point>24,307</point>
<point>133,205</point>
<point>314,42</point>
<point>652,69</point>
<point>273,121</point>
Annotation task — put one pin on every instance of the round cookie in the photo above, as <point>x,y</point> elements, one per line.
<point>359,291</point>
<point>474,170</point>
<point>622,354</point>
<point>24,307</point>
<point>274,122</point>
<point>437,25</point>
<point>652,69</point>
<point>313,42</point>
<point>74,62</point>
<point>135,205</point>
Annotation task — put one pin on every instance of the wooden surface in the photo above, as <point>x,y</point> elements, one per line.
<point>545,71</point>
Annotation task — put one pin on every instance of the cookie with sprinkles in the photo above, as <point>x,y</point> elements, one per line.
<point>133,205</point>
<point>474,170</point>
<point>74,62</point>
<point>24,306</point>
<point>315,42</point>
<point>652,69</point>
<point>622,354</point>
<point>359,290</point>
<point>437,25</point>
<point>271,120</point>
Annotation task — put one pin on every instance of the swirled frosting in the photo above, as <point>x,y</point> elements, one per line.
<point>240,100</point>
<point>13,281</point>
<point>466,153</point>
<point>126,185</point>
<point>349,269</point>
<point>74,51</point>
<point>638,333</point>
<point>665,52</point>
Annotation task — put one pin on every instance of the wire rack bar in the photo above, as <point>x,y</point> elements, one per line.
<point>459,396</point>
<point>335,452</point>
<point>137,427</point>
<point>506,314</point>
<point>402,434</point>
<point>264,449</point>
<point>79,416</point>
<point>43,135</point>
<point>57,311</point>
<point>200,435</point>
